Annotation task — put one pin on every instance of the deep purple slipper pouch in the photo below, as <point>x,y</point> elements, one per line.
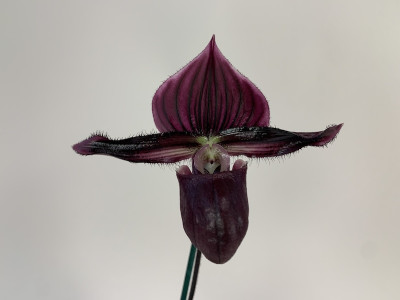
<point>215,210</point>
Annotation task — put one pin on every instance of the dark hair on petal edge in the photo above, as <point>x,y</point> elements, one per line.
<point>99,133</point>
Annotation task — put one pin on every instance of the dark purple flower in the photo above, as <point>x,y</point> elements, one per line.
<point>208,112</point>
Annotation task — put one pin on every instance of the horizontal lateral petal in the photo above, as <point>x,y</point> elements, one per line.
<point>169,147</point>
<point>270,142</point>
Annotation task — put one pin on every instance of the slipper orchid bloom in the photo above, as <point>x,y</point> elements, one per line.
<point>209,113</point>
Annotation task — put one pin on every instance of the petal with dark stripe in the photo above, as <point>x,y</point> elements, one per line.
<point>269,142</point>
<point>167,147</point>
<point>208,95</point>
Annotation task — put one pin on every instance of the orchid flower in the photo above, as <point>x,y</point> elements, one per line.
<point>209,113</point>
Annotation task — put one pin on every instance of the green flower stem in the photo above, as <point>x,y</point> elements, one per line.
<point>191,275</point>
<point>195,274</point>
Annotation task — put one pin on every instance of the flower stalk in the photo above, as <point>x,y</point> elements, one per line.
<point>191,273</point>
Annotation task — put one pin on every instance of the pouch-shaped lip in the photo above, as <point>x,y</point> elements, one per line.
<point>215,210</point>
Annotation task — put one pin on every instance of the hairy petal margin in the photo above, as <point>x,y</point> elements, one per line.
<point>169,147</point>
<point>269,142</point>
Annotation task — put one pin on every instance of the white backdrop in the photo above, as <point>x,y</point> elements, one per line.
<point>323,223</point>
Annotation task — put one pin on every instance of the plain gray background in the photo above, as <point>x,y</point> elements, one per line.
<point>324,223</point>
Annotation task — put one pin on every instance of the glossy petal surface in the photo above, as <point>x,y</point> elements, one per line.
<point>269,142</point>
<point>214,210</point>
<point>208,95</point>
<point>153,148</point>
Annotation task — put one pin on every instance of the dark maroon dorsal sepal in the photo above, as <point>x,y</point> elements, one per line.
<point>208,95</point>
